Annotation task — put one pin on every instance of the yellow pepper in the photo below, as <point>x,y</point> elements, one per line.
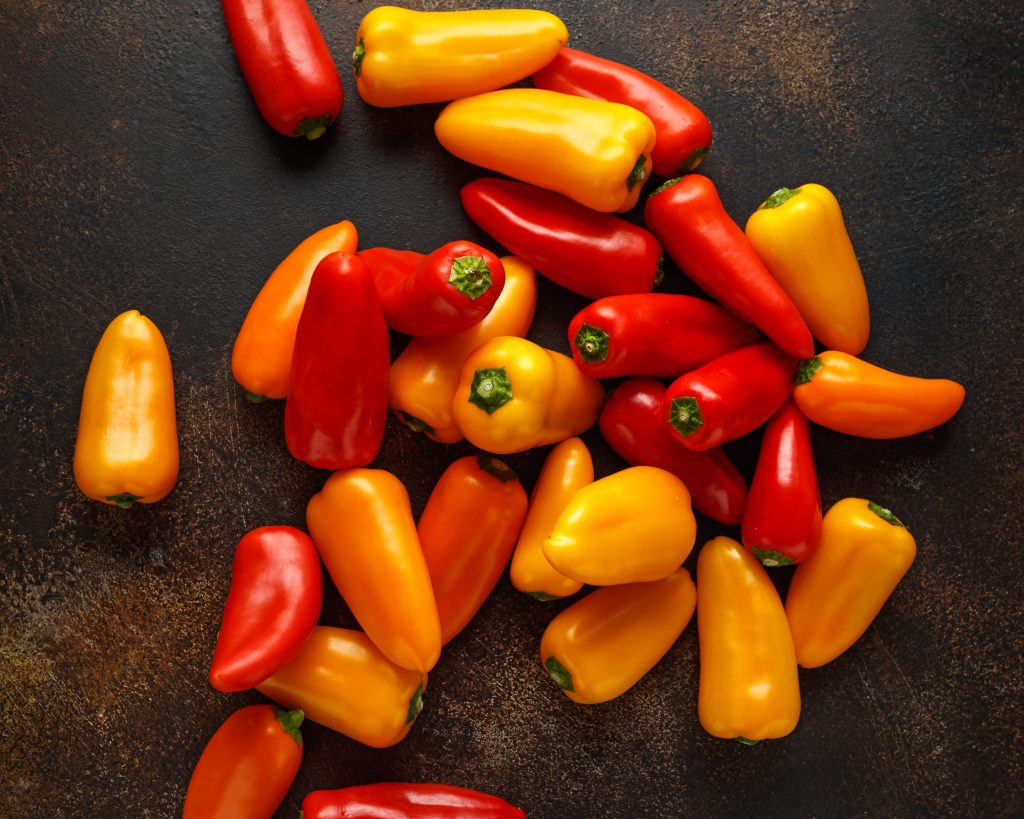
<point>800,236</point>
<point>596,152</point>
<point>405,57</point>
<point>127,447</point>
<point>601,646</point>
<point>340,679</point>
<point>514,395</point>
<point>835,595</point>
<point>633,526</point>
<point>424,378</point>
<point>748,678</point>
<point>567,469</point>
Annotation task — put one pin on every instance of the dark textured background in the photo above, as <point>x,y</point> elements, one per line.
<point>137,173</point>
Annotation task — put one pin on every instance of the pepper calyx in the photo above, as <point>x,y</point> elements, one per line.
<point>885,515</point>
<point>290,722</point>
<point>499,469</point>
<point>771,558</point>
<point>592,344</point>
<point>255,397</point>
<point>124,500</point>
<point>807,369</point>
<point>357,56</point>
<point>668,183</point>
<point>544,597</point>
<point>684,415</point>
<point>745,741</point>
<point>313,127</point>
<point>471,276</point>
<point>780,197</point>
<point>638,174</point>
<point>415,704</point>
<point>491,389</point>
<point>414,423</point>
<point>691,162</point>
<point>559,673</point>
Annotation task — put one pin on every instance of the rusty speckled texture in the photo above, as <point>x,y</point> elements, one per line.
<point>135,172</point>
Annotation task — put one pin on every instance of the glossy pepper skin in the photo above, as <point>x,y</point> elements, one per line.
<point>362,525</point>
<point>782,522</point>
<point>272,606</point>
<point>847,394</point>
<point>338,399</point>
<point>247,766</point>
<point>597,153</point>
<point>590,253</point>
<point>286,63</point>
<point>632,424</point>
<point>425,375</point>
<point>602,645</point>
<point>468,530</point>
<point>514,395</point>
<point>403,800</point>
<point>406,57</point>
<point>689,219</point>
<point>800,236</point>
<point>633,526</point>
<point>567,469</point>
<point>446,291</point>
<point>341,680</point>
<point>684,133</point>
<point>748,678</point>
<point>127,445</point>
<point>261,360</point>
<point>654,334</point>
<point>837,593</point>
<point>728,397</point>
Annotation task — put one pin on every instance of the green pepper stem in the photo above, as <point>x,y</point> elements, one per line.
<point>471,276</point>
<point>592,344</point>
<point>771,558</point>
<point>559,673</point>
<point>415,704</point>
<point>691,162</point>
<point>499,469</point>
<point>124,500</point>
<point>807,369</point>
<point>414,423</point>
<point>885,515</point>
<point>255,398</point>
<point>544,597</point>
<point>659,274</point>
<point>684,415</point>
<point>491,389</point>
<point>638,174</point>
<point>745,741</point>
<point>290,722</point>
<point>781,196</point>
<point>357,56</point>
<point>668,183</point>
<point>313,127</point>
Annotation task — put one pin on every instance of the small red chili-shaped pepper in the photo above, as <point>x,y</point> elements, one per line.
<point>632,424</point>
<point>272,607</point>
<point>729,397</point>
<point>653,334</point>
<point>286,62</point>
<point>593,254</point>
<point>403,800</point>
<point>687,215</point>
<point>444,292</point>
<point>684,133</point>
<point>338,399</point>
<point>782,522</point>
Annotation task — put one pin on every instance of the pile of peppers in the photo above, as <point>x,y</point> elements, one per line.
<point>777,350</point>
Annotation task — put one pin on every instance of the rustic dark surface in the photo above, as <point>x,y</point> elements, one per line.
<point>137,173</point>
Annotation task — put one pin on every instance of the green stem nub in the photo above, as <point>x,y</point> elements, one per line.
<point>313,127</point>
<point>357,56</point>
<point>659,274</point>
<point>638,174</point>
<point>491,389</point>
<point>745,741</point>
<point>255,398</point>
<point>780,197</point>
<point>592,343</point>
<point>885,515</point>
<point>290,722</point>
<point>414,423</point>
<point>499,469</point>
<point>124,500</point>
<point>471,276</point>
<point>684,415</point>
<point>559,673</point>
<point>415,704</point>
<point>544,597</point>
<point>693,160</point>
<point>771,558</point>
<point>668,183</point>
<point>807,369</point>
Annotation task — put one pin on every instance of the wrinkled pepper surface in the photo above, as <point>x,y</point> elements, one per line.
<point>406,800</point>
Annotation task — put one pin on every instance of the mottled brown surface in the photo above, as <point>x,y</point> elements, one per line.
<point>136,173</point>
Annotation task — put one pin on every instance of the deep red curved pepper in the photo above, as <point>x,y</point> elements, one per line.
<point>632,424</point>
<point>684,133</point>
<point>272,606</point>
<point>287,64</point>
<point>782,522</point>
<point>654,334</point>
<point>593,254</point>
<point>444,292</point>
<point>687,215</point>
<point>402,800</point>
<point>338,396</point>
<point>729,397</point>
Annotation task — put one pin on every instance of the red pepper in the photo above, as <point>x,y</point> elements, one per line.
<point>633,426</point>
<point>402,800</point>
<point>653,334</point>
<point>286,62</point>
<point>684,133</point>
<point>338,397</point>
<point>782,522</point>
<point>687,215</point>
<point>444,292</point>
<point>272,606</point>
<point>729,397</point>
<point>593,254</point>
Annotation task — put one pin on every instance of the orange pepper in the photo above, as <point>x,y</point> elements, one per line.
<point>567,469</point>
<point>836,594</point>
<point>468,530</point>
<point>261,360</point>
<point>340,679</point>
<point>425,376</point>
<point>844,393</point>
<point>602,645</point>
<point>127,446</point>
<point>748,678</point>
<point>362,525</point>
